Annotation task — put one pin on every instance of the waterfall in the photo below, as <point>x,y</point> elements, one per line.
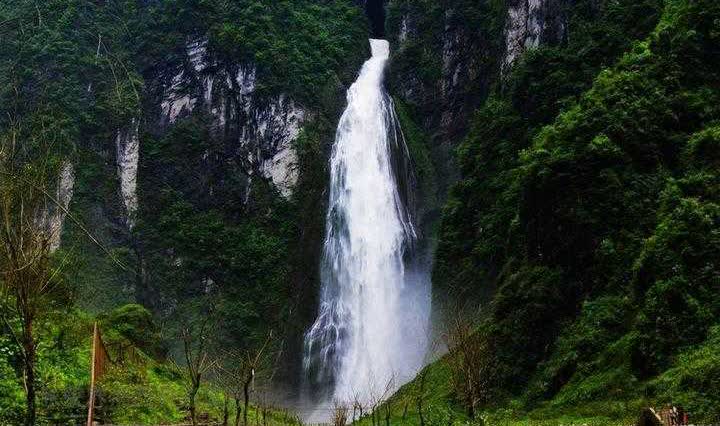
<point>370,335</point>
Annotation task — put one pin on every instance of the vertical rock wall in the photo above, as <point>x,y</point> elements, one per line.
<point>127,143</point>
<point>262,128</point>
<point>63,196</point>
<point>530,23</point>
<point>470,58</point>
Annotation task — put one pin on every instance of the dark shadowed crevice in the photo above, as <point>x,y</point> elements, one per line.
<point>375,10</point>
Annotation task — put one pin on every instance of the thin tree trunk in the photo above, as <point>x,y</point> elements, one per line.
<point>246,392</point>
<point>238,410</point>
<point>226,412</point>
<point>471,395</point>
<point>28,343</point>
<point>193,394</point>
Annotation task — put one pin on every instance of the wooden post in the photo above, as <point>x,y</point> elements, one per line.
<point>98,358</point>
<point>93,360</point>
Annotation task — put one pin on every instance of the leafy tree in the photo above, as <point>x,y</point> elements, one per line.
<point>28,276</point>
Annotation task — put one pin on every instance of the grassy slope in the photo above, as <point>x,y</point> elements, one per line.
<point>440,407</point>
<point>148,391</point>
<point>689,382</point>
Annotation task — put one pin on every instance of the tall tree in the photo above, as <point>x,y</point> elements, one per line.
<point>240,370</point>
<point>26,274</point>
<point>197,326</point>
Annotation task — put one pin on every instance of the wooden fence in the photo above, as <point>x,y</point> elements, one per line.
<point>100,360</point>
<point>666,416</point>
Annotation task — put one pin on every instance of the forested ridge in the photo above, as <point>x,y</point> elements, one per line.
<point>171,158</point>
<point>584,224</point>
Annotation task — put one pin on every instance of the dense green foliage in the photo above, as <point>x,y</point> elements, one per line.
<point>431,393</point>
<point>298,45</point>
<point>586,218</point>
<point>587,214</point>
<point>79,71</point>
<point>85,64</point>
<point>145,388</point>
<point>417,62</point>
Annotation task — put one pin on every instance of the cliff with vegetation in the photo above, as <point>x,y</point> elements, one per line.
<point>193,138</point>
<point>583,223</point>
<point>566,196</point>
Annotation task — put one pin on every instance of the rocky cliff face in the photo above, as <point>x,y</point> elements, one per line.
<point>530,23</point>
<point>127,143</point>
<point>448,55</point>
<point>448,58</point>
<point>63,195</point>
<point>260,128</point>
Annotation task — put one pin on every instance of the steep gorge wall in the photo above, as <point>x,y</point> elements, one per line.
<point>262,128</point>
<point>448,55</point>
<point>447,59</point>
<point>529,24</point>
<point>570,180</point>
<point>257,133</point>
<point>213,179</point>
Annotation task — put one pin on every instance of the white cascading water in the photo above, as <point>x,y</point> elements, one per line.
<point>371,329</point>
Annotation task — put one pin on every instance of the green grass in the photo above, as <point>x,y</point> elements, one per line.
<point>440,407</point>
<point>146,391</point>
<point>694,380</point>
<point>438,402</point>
<point>603,394</point>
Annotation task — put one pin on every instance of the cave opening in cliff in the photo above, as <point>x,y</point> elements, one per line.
<point>375,10</point>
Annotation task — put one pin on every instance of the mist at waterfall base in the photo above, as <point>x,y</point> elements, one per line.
<point>371,332</point>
